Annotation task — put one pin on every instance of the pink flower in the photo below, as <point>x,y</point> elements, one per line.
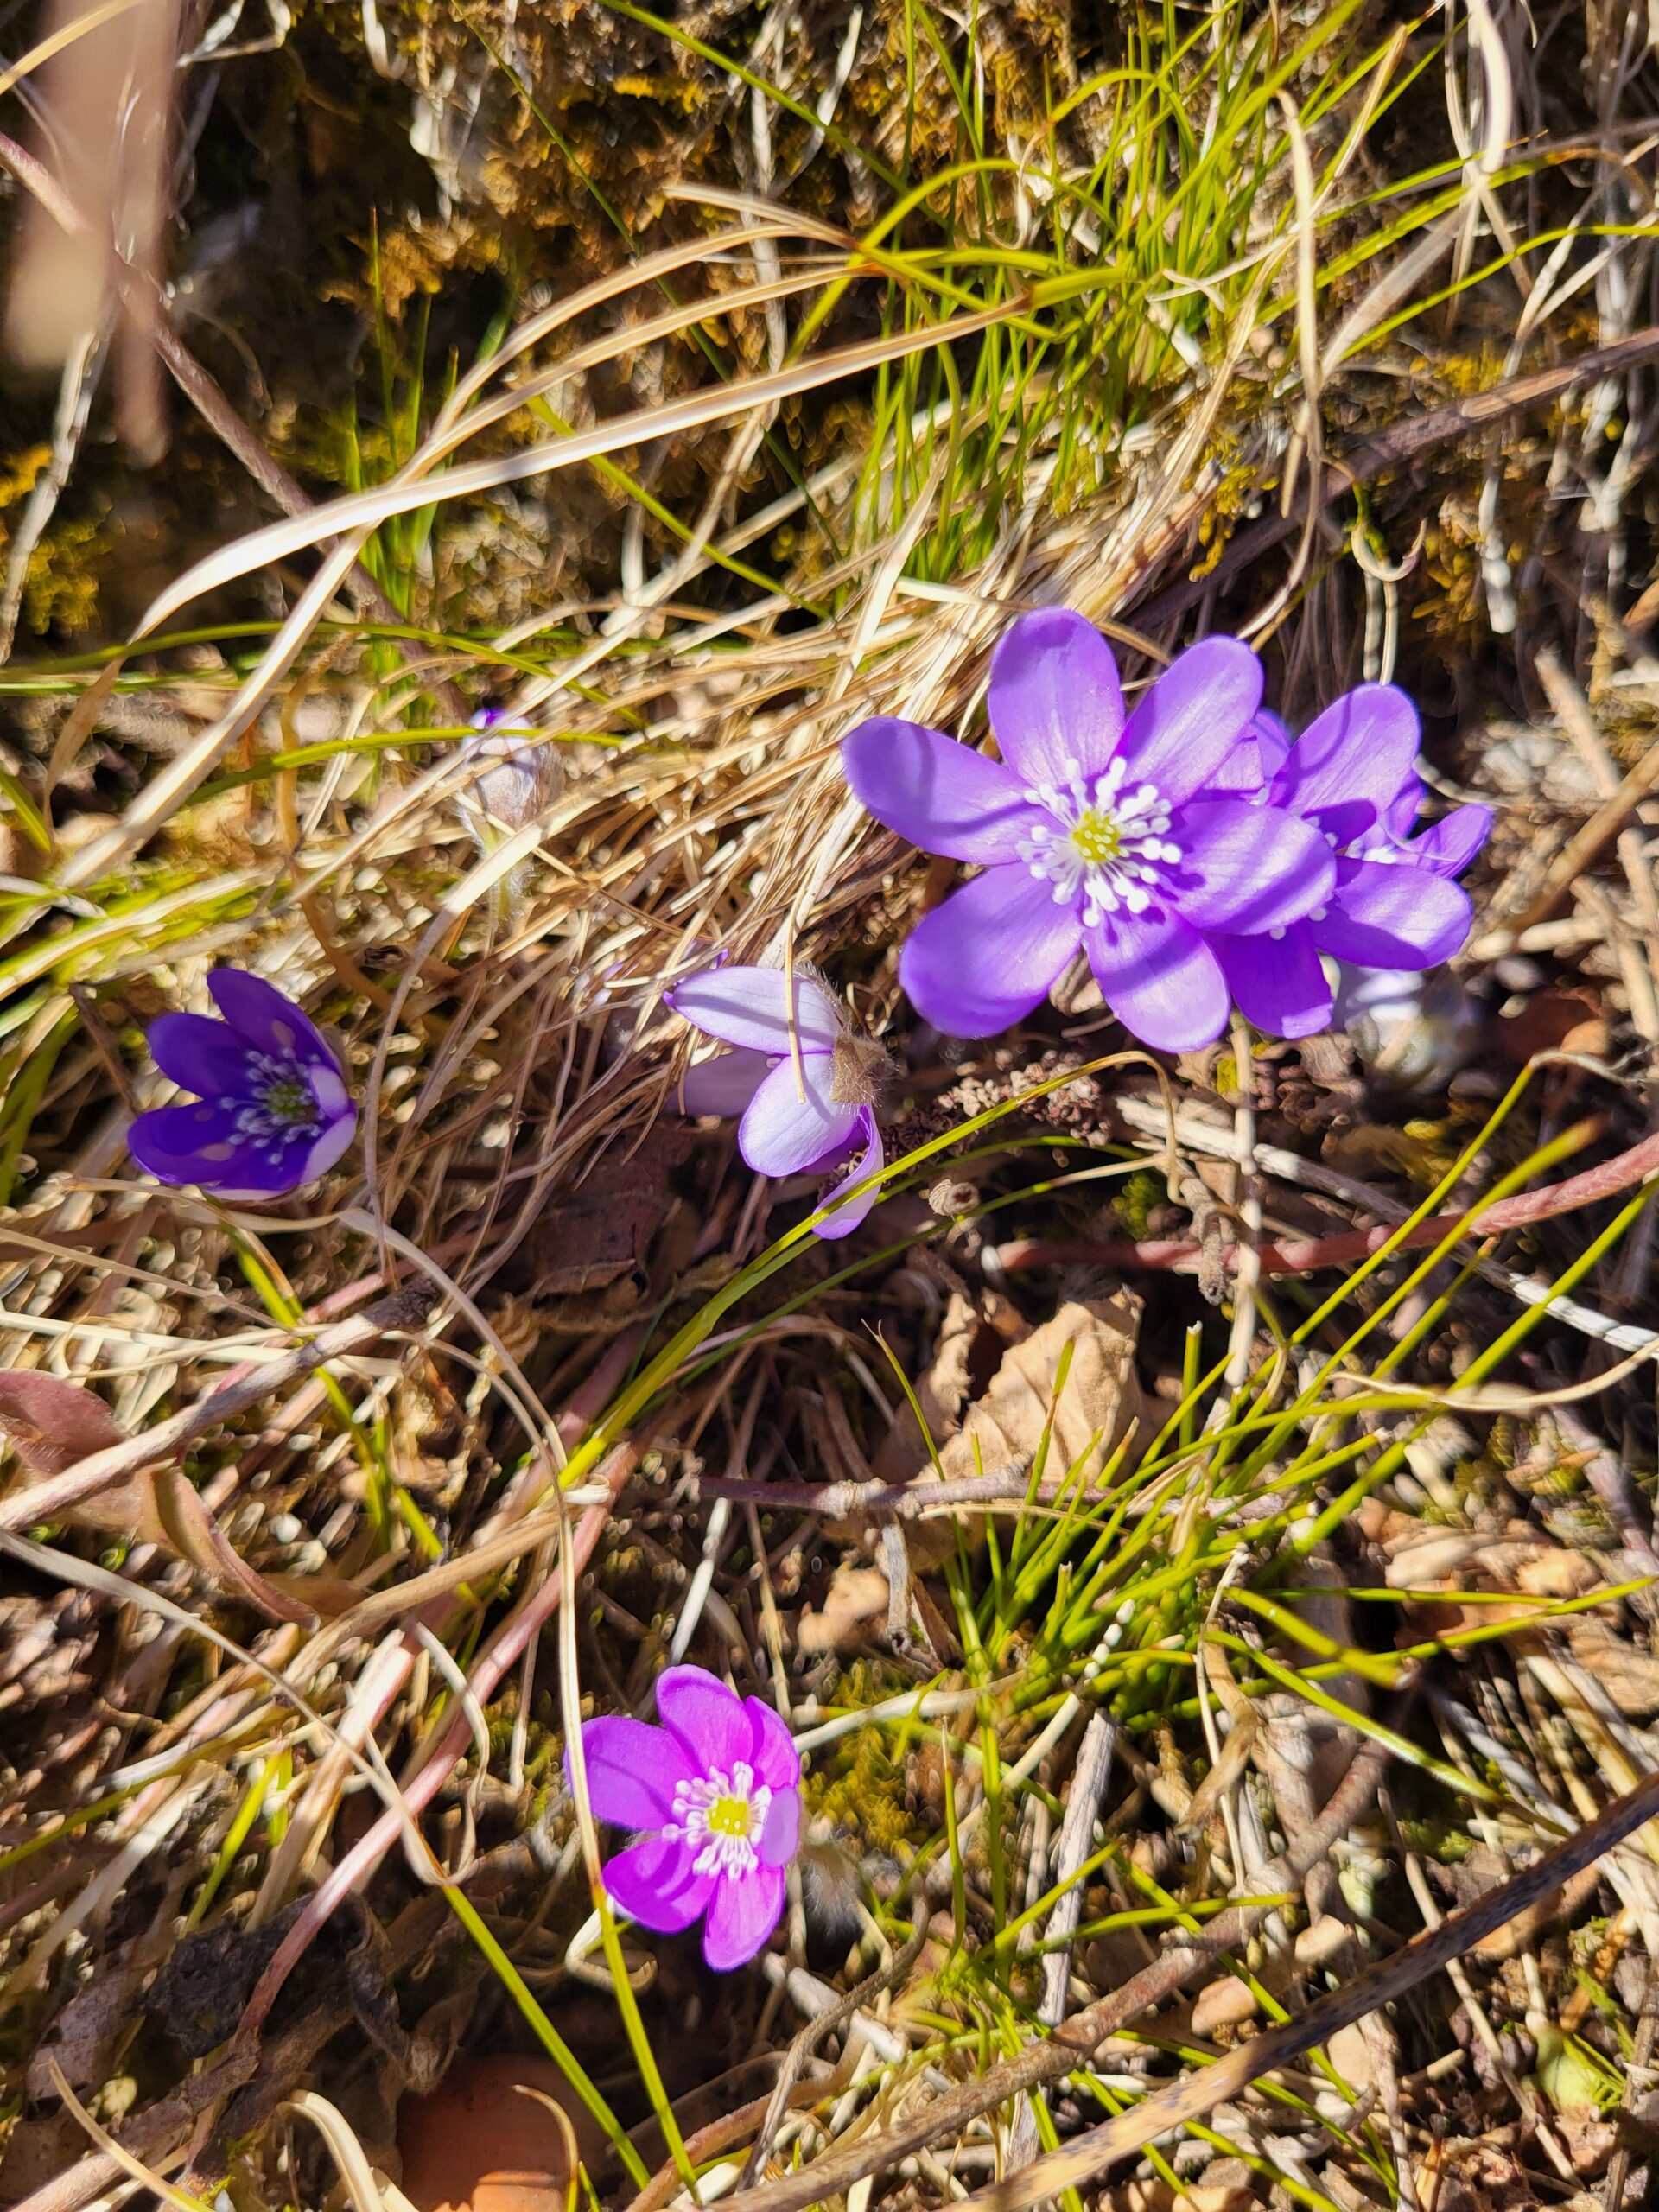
<point>716,1793</point>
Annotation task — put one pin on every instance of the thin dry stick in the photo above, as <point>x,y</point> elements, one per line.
<point>948,2115</point>
<point>45,1501</point>
<point>1426,1954</point>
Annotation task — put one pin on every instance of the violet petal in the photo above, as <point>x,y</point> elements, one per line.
<point>707,1717</point>
<point>190,1144</point>
<point>200,1055</point>
<point>1055,704</point>
<point>634,1771</point>
<point>1246,869</point>
<point>1277,982</point>
<point>1448,846</point>
<point>269,1021</point>
<point>780,1833</point>
<point>745,1911</point>
<point>869,1161</point>
<point>748,1005</point>
<point>941,796</point>
<point>1393,916</point>
<point>725,1085</point>
<point>656,1882</point>
<point>1362,746</point>
<point>327,1148</point>
<point>986,956</point>
<point>783,1130</point>
<point>1255,759</point>
<point>774,1756</point>
<point>1159,978</point>
<point>1192,718</point>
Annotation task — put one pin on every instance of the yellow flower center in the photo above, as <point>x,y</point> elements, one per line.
<point>729,1816</point>
<point>1097,836</point>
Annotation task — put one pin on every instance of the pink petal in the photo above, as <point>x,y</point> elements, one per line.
<point>1192,717</point>
<point>942,796</point>
<point>633,1771</point>
<point>657,1884</point>
<point>783,1130</point>
<point>1055,704</point>
<point>724,1085</point>
<point>868,1161</point>
<point>1246,869</point>
<point>747,1006</point>
<point>745,1911</point>
<point>774,1757</point>
<point>781,1836</point>
<point>988,956</point>
<point>1159,978</point>
<point>707,1717</point>
<point>1277,982</point>
<point>1362,746</point>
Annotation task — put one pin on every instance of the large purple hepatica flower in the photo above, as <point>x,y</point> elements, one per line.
<point>1352,776</point>
<point>817,1117</point>
<point>716,1790</point>
<point>1093,829</point>
<point>272,1109</point>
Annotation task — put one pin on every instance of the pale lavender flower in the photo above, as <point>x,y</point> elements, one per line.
<point>1094,830</point>
<point>716,1794</point>
<point>521,774</point>
<point>273,1110</point>
<point>1352,775</point>
<point>815,1118</point>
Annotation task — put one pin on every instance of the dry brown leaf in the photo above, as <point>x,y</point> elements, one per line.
<point>854,1604</point>
<point>1628,1675</point>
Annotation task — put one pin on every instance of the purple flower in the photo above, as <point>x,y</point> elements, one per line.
<point>1109,833</point>
<point>522,773</point>
<point>1352,776</point>
<point>815,1118</point>
<point>717,1791</point>
<point>273,1111</point>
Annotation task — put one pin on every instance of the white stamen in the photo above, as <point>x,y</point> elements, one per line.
<point>1107,847</point>
<point>721,1819</point>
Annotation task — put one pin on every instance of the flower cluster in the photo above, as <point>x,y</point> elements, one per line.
<point>273,1111</point>
<point>1194,853</point>
<point>715,1798</point>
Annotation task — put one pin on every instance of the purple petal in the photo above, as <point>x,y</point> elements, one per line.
<point>1398,917</point>
<point>747,1006</point>
<point>745,1909</point>
<point>1055,704</point>
<point>1447,847</point>
<point>1247,867</point>
<point>257,1011</point>
<point>327,1148</point>
<point>722,1086</point>
<point>784,1131</point>
<point>190,1144</point>
<point>200,1055</point>
<point>1192,717</point>
<point>869,1161</point>
<point>633,1771</point>
<point>657,1882</point>
<point>1363,747</point>
<point>780,1835</point>
<point>774,1757</point>
<point>942,796</point>
<point>1159,978</point>
<point>1255,759</point>
<point>1277,982</point>
<point>707,1717</point>
<point>989,955</point>
<point>1399,816</point>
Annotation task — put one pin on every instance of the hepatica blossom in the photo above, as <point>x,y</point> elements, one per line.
<point>1115,833</point>
<point>272,1109</point>
<point>815,1117</point>
<point>716,1794</point>
<point>1352,776</point>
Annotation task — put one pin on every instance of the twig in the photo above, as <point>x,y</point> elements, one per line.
<point>911,1501</point>
<point>1073,2044</point>
<point>1426,1954</point>
<point>45,1501</point>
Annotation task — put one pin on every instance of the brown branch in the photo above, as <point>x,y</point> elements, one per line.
<point>1426,1954</point>
<point>44,1501</point>
<point>1371,457</point>
<point>1072,2045</point>
<point>1182,1256</point>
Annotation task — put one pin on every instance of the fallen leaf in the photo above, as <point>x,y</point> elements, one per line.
<point>855,1602</point>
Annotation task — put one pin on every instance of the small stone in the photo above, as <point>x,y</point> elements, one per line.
<point>1225,2004</point>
